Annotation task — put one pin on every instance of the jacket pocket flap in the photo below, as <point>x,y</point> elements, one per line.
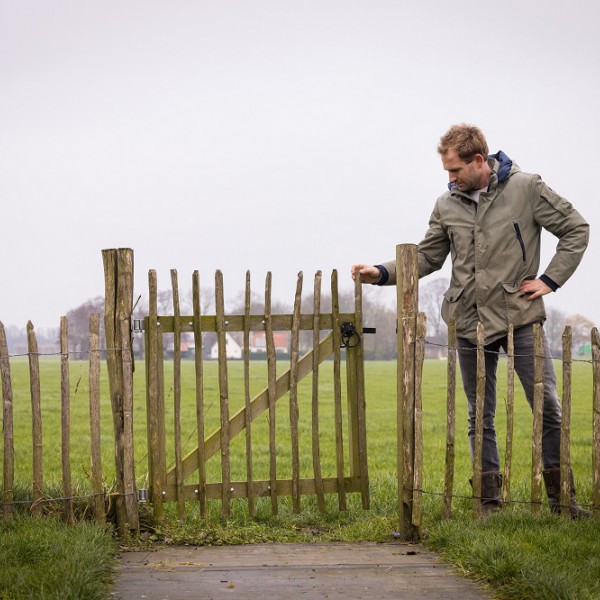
<point>512,287</point>
<point>453,294</point>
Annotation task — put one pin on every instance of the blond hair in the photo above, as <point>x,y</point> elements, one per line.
<point>467,140</point>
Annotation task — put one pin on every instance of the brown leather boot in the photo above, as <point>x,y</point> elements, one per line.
<point>552,481</point>
<point>491,492</point>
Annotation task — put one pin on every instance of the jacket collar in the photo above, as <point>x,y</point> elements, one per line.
<point>501,166</point>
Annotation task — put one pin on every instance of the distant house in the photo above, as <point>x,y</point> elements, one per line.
<point>232,348</point>
<point>186,347</point>
<point>258,343</point>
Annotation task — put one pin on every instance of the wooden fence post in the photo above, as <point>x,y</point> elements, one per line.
<point>36,419</point>
<point>510,411</point>
<point>360,397</point>
<point>538,409</point>
<point>479,408</point>
<point>129,487</point>
<point>95,436</point>
<point>337,389</point>
<point>66,419</point>
<point>118,278</point>
<point>565,428</point>
<point>407,284</point>
<point>7,424</point>
<point>418,460</point>
<point>596,421</point>
<point>450,421</point>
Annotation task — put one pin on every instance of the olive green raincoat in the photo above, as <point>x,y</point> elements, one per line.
<point>494,245</point>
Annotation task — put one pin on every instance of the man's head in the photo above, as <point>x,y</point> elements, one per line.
<point>464,152</point>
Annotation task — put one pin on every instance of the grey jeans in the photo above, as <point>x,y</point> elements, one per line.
<point>523,343</point>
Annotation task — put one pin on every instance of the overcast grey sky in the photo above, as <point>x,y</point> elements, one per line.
<point>271,135</point>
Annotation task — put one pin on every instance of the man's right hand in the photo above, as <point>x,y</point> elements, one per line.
<point>366,273</point>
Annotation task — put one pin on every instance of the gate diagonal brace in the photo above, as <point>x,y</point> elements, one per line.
<point>237,423</point>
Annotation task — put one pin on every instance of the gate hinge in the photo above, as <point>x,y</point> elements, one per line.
<point>137,325</point>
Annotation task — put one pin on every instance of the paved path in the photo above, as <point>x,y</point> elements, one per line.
<point>290,571</point>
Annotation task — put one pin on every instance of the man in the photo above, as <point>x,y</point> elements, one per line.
<point>490,221</point>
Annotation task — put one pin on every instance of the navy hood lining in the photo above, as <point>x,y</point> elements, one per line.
<point>503,171</point>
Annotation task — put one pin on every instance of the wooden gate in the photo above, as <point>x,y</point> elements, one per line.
<point>333,334</point>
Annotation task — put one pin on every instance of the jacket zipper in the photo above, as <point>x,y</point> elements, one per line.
<point>520,238</point>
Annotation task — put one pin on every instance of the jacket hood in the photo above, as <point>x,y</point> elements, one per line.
<point>505,165</point>
<point>504,169</point>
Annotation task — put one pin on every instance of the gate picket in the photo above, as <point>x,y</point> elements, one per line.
<point>177,394</point>
<point>199,369</point>
<point>249,466</point>
<point>316,448</point>
<point>272,393</point>
<point>337,389</point>
<point>294,411</point>
<point>223,394</point>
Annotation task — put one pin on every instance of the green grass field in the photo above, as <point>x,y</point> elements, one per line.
<point>520,554</point>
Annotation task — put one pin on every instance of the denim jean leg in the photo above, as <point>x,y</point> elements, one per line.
<point>467,358</point>
<point>552,417</point>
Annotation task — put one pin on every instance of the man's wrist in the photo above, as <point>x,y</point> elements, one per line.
<point>383,275</point>
<point>549,282</point>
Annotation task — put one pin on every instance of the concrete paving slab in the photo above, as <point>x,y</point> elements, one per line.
<point>289,571</point>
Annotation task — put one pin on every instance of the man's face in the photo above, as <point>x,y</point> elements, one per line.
<point>466,176</point>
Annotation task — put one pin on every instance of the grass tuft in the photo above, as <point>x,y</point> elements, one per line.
<point>47,559</point>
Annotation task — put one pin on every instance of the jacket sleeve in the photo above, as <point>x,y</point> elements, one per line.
<point>558,216</point>
<point>432,250</point>
<point>435,246</point>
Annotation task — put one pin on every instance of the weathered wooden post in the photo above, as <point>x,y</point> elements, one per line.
<point>450,421</point>
<point>66,419</point>
<point>95,437</point>
<point>538,410</point>
<point>36,420</point>
<point>154,401</point>
<point>7,424</point>
<point>417,512</point>
<point>118,305</point>
<point>565,428</point>
<point>596,421</point>
<point>407,284</point>
<point>510,411</point>
<point>479,408</point>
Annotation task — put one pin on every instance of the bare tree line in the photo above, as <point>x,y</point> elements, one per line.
<point>376,313</point>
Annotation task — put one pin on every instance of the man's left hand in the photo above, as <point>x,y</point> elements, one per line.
<point>534,288</point>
